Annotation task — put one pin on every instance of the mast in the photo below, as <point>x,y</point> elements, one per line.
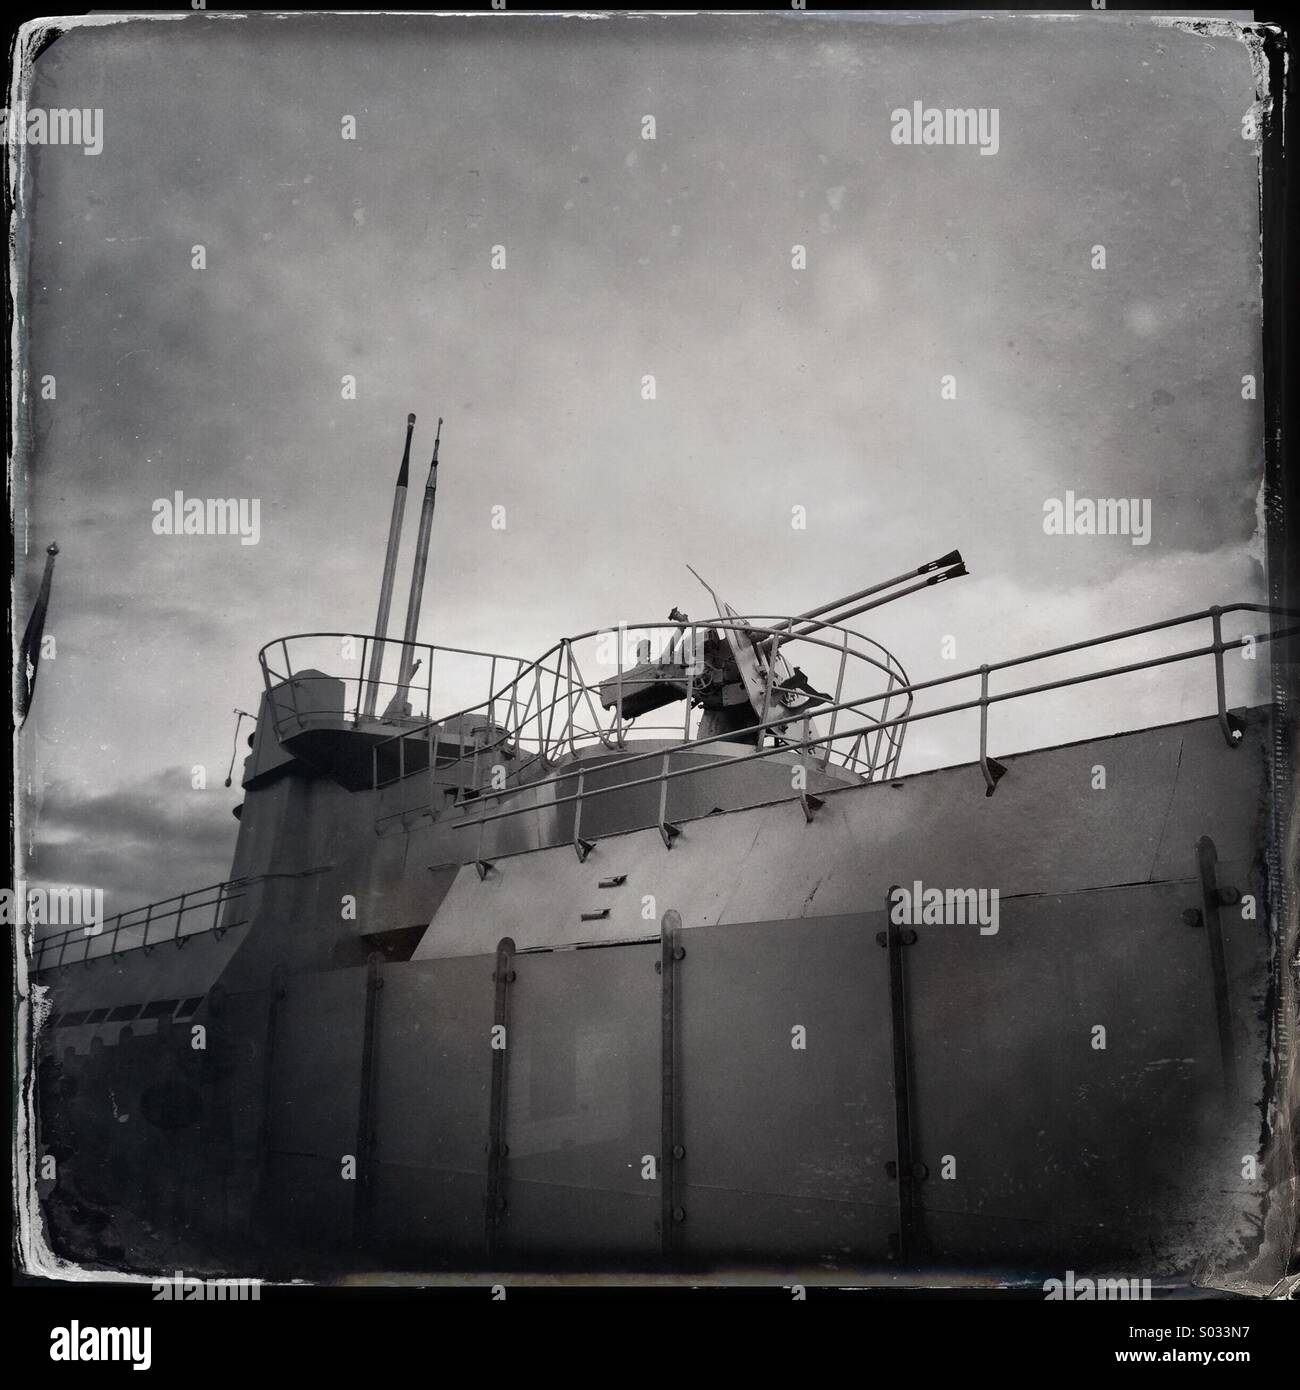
<point>417,578</point>
<point>390,573</point>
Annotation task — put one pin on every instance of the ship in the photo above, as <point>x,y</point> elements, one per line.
<point>649,954</point>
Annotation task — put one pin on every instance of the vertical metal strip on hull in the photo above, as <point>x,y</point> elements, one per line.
<point>278,990</point>
<point>502,977</point>
<point>894,942</point>
<point>1207,859</point>
<point>670,1149</point>
<point>365,1111</point>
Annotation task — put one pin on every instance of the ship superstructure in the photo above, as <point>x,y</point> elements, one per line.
<point>630,955</point>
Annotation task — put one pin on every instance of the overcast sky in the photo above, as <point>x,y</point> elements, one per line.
<point>626,257</point>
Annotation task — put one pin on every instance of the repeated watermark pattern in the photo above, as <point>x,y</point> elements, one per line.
<point>933,125</point>
<point>179,515</point>
<point>37,125</point>
<point>945,907</point>
<point>1076,1289</point>
<point>188,1288</point>
<point>77,1343</point>
<point>60,906</point>
<point>1102,516</point>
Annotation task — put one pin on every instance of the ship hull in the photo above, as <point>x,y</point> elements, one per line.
<point>729,1048</point>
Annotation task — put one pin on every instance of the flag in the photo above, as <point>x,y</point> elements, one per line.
<point>31,652</point>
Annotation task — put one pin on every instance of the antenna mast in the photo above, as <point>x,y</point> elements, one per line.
<point>417,581</point>
<point>375,672</point>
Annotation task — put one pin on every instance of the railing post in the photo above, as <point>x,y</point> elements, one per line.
<point>292,684</point>
<point>873,757</point>
<point>361,680</point>
<point>764,714</point>
<point>1230,732</point>
<point>555,699</point>
<point>537,690</point>
<point>992,769</point>
<point>481,865</point>
<point>667,831</point>
<point>618,704</point>
<point>583,847</point>
<point>180,912</point>
<point>692,665</point>
<point>512,713</point>
<point>839,695</point>
<point>811,804</point>
<point>570,700</point>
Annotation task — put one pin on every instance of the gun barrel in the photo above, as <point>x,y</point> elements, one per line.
<point>955,572</point>
<point>416,597</point>
<point>953,557</point>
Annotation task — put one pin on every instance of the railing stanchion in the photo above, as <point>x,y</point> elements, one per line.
<point>990,767</point>
<point>763,714</point>
<point>481,865</point>
<point>873,756</point>
<point>180,912</point>
<point>667,830</point>
<point>618,703</point>
<point>550,715</point>
<point>583,847</point>
<point>690,665</point>
<point>570,701</point>
<point>1232,735</point>
<point>839,695</point>
<point>361,680</point>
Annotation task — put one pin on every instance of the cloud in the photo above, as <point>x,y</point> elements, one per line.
<point>128,841</point>
<point>776,388</point>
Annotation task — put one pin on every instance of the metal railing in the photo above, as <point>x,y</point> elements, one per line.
<point>550,708</point>
<point>301,695</point>
<point>991,770</point>
<point>168,921</point>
